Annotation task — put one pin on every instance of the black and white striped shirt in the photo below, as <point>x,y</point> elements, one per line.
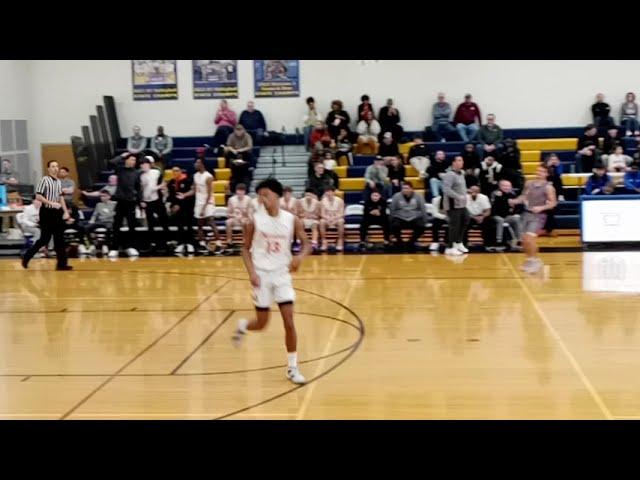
<point>50,188</point>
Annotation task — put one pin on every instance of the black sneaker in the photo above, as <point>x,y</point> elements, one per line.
<point>64,268</point>
<point>24,262</point>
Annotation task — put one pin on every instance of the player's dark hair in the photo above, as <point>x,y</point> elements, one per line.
<point>272,184</point>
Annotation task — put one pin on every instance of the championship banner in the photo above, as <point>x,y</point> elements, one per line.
<point>215,79</point>
<point>155,79</point>
<point>276,78</point>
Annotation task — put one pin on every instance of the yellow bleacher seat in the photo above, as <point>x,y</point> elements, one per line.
<point>219,199</point>
<point>222,162</point>
<point>223,173</point>
<point>415,181</point>
<point>340,194</point>
<point>529,168</point>
<point>409,171</point>
<point>168,174</point>
<point>530,156</point>
<point>548,144</point>
<point>343,161</point>
<point>220,186</point>
<point>350,184</point>
<point>341,171</point>
<point>404,148</point>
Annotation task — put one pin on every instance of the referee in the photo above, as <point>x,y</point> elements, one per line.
<point>53,214</point>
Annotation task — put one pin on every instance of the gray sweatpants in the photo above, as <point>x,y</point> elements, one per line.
<point>458,219</point>
<point>513,221</point>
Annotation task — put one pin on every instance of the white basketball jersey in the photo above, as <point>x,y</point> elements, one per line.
<point>272,238</point>
<point>240,208</point>
<point>291,206</point>
<point>333,210</point>
<point>200,181</point>
<point>310,210</point>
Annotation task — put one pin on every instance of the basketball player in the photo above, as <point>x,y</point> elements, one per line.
<point>309,212</point>
<point>288,202</point>
<point>538,197</point>
<point>267,256</point>
<point>331,216</point>
<point>204,207</point>
<point>237,212</point>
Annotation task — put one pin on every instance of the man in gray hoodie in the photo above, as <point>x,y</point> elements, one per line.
<point>454,201</point>
<point>136,143</point>
<point>441,113</point>
<point>407,212</point>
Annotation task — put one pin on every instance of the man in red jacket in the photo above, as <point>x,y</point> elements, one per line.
<point>465,119</point>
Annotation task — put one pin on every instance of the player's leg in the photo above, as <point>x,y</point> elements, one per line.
<point>323,235</point>
<point>340,227</point>
<point>263,298</point>
<point>229,226</point>
<point>314,234</point>
<point>285,297</point>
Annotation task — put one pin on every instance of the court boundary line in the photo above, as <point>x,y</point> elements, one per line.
<point>142,352</point>
<point>556,336</point>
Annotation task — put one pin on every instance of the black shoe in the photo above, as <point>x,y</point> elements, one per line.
<point>25,262</point>
<point>64,268</point>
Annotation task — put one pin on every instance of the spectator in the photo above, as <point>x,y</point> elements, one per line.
<point>29,221</point>
<point>7,175</point>
<point>329,168</point>
<point>587,156</point>
<point>629,115</point>
<point>454,202</point>
<point>337,119</point>
<point>489,137</point>
<point>151,182</point>
<point>320,180</point>
<point>465,119</point>
<point>136,144</point>
<point>237,212</point>
<point>632,179</point>
<point>238,153</point>
<point>435,171</point>
<point>471,160</point>
<point>368,130</point>
<point>388,148</point>
<point>377,178</point>
<point>161,147</point>
<point>288,202</point>
<point>364,107</point>
<point>408,211</point>
<point>509,158</point>
<point>389,118</point>
<point>419,156</point>
<point>343,146</point>
<point>602,113</point>
<point>182,209</point>
<point>599,183</point>
<point>68,187</point>
<point>331,216</point>
<point>617,161</point>
<point>490,174</point>
<point>253,122</point>
<point>555,169</point>
<point>611,141</point>
<point>438,221</point>
<point>441,118</point>
<point>310,119</point>
<point>225,120</point>
<point>375,213</point>
<point>309,212</point>
<point>102,217</point>
<point>111,187</point>
<point>505,213</point>
<point>128,195</point>
<point>396,175</point>
<point>478,211</point>
<point>320,138</point>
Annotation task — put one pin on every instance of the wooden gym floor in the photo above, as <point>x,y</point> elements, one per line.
<point>380,337</point>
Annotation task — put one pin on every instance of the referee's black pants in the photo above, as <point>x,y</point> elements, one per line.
<point>51,224</point>
<point>157,209</point>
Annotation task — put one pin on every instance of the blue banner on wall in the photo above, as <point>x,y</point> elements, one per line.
<point>276,78</point>
<point>215,79</point>
<point>154,79</point>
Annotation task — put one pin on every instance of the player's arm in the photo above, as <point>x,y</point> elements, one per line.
<point>190,193</point>
<point>246,254</point>
<point>521,199</point>
<point>552,199</point>
<point>306,245</point>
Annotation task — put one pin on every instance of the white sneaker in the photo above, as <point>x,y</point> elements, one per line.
<point>179,249</point>
<point>82,250</point>
<point>461,247</point>
<point>240,332</point>
<point>92,250</point>
<point>132,252</point>
<point>105,250</point>
<point>452,251</point>
<point>190,248</point>
<point>628,133</point>
<point>295,376</point>
<point>534,266</point>
<point>434,246</point>
<point>113,254</point>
